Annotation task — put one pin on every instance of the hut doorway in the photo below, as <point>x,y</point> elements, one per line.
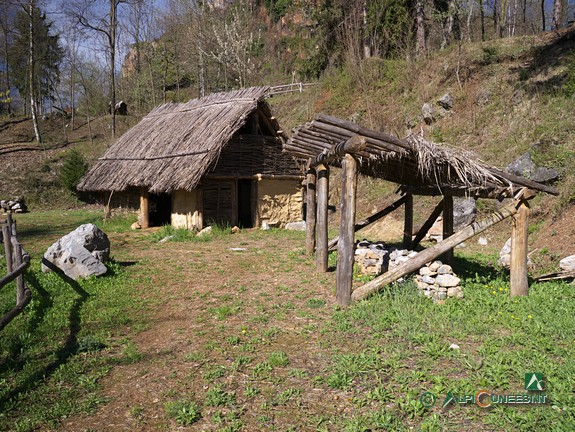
<point>246,203</point>
<point>160,209</point>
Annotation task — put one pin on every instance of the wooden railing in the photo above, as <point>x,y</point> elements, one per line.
<point>17,261</point>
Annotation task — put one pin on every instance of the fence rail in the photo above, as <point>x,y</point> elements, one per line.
<point>290,88</point>
<point>17,261</point>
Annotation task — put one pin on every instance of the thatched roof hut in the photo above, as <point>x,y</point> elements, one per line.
<point>207,144</point>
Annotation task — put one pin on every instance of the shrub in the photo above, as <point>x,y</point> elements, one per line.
<point>73,170</point>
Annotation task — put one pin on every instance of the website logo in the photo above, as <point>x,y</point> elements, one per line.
<point>534,381</point>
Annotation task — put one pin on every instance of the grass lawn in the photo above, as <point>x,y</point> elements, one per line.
<point>239,333</point>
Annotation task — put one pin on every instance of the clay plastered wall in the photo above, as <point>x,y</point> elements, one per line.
<point>279,202</point>
<point>186,209</point>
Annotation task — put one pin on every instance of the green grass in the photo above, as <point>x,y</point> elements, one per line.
<point>54,354</point>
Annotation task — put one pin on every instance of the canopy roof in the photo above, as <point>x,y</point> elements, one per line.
<point>419,166</point>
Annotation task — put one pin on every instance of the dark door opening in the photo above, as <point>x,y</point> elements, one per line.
<point>245,203</point>
<point>160,209</point>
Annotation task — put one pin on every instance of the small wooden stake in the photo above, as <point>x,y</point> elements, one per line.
<point>322,251</point>
<point>519,236</point>
<point>345,247</point>
<point>448,225</point>
<point>144,208</point>
<point>408,222</point>
<point>310,212</point>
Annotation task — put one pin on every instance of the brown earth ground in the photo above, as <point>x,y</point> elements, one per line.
<point>201,294</point>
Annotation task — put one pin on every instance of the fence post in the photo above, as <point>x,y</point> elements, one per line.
<point>20,279</point>
<point>7,235</point>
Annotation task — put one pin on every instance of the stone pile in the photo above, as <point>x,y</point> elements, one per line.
<point>16,205</point>
<point>437,281</point>
<point>372,258</point>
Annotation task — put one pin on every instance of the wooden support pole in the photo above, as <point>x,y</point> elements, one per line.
<point>448,225</point>
<point>408,222</point>
<point>353,145</point>
<point>519,236</point>
<point>345,247</point>
<point>144,208</point>
<point>372,218</point>
<point>322,252</point>
<point>431,253</point>
<point>427,225</point>
<point>6,235</point>
<point>310,212</point>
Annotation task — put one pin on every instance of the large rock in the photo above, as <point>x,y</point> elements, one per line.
<point>522,166</point>
<point>464,212</point>
<point>445,101</point>
<point>567,263</point>
<point>295,226</point>
<point>81,253</point>
<point>545,175</point>
<point>428,112</point>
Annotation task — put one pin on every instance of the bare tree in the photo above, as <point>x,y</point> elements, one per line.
<point>30,9</point>
<point>557,15</point>
<point>91,16</point>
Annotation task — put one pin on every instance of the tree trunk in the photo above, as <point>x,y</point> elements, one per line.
<point>557,14</point>
<point>31,74</point>
<point>543,15</point>
<point>366,43</point>
<point>112,46</point>
<point>420,46</point>
<point>482,18</point>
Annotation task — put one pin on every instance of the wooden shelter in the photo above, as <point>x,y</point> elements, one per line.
<point>419,168</point>
<point>217,158</point>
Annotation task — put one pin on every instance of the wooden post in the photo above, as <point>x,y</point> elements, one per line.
<point>322,251</point>
<point>427,225</point>
<point>20,287</point>
<point>310,212</point>
<point>6,234</point>
<point>408,222</point>
<point>345,247</point>
<point>144,208</point>
<point>519,236</point>
<point>448,225</point>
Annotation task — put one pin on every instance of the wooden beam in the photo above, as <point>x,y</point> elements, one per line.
<point>144,208</point>
<point>427,225</point>
<point>322,252</point>
<point>310,221</point>
<point>353,145</point>
<point>408,222</point>
<point>519,285</point>
<point>345,249</point>
<point>448,225</point>
<point>433,252</point>
<point>371,219</point>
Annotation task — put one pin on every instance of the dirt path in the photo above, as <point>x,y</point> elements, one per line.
<point>203,296</point>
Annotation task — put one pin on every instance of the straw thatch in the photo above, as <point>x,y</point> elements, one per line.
<point>175,145</point>
<point>420,166</point>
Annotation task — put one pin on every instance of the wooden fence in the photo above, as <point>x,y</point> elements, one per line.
<point>17,261</point>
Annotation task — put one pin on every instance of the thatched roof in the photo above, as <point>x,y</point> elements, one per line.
<point>419,166</point>
<point>176,143</point>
